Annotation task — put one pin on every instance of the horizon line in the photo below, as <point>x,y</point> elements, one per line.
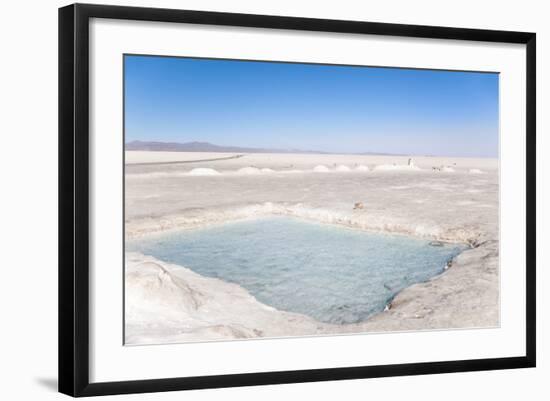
<point>254,149</point>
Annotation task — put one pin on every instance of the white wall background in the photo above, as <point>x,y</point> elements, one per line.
<point>28,201</point>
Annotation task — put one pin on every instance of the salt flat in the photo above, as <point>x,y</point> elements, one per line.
<point>449,199</point>
<point>281,160</point>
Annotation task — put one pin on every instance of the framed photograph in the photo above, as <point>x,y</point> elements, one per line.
<point>251,199</point>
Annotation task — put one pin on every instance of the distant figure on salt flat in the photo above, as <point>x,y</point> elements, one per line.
<point>358,205</point>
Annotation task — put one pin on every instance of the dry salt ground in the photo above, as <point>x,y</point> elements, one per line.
<point>456,202</point>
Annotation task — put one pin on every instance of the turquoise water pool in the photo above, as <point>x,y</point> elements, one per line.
<point>333,274</point>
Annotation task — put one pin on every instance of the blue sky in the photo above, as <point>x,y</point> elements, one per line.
<point>311,107</point>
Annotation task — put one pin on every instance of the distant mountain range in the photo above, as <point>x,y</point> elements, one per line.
<point>200,147</point>
<point>209,147</point>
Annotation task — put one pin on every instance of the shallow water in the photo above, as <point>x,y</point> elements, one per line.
<point>333,274</point>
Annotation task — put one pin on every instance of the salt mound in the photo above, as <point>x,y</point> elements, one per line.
<point>203,171</point>
<point>448,169</point>
<point>321,169</point>
<point>267,170</point>
<point>341,167</point>
<point>362,167</point>
<point>154,288</point>
<point>249,170</point>
<point>476,171</point>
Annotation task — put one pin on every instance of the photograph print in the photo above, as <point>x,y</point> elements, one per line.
<point>267,199</point>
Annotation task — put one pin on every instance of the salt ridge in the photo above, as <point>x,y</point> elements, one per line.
<point>320,215</point>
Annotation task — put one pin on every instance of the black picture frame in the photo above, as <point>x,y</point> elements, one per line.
<point>74,198</point>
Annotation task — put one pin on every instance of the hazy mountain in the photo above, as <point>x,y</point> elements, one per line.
<point>203,147</point>
<point>209,147</point>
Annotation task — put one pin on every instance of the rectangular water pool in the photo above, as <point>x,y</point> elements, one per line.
<point>331,273</point>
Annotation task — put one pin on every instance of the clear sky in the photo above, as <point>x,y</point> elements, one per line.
<point>311,107</point>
